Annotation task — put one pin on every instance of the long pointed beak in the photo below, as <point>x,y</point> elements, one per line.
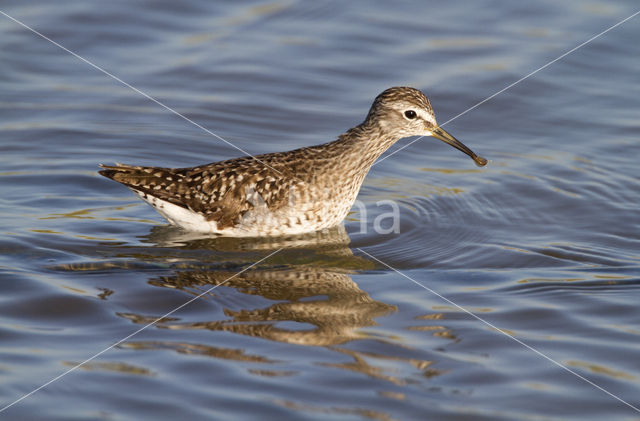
<point>440,133</point>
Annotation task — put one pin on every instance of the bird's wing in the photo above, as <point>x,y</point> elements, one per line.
<point>221,191</point>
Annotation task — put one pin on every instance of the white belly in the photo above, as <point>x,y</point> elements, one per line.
<point>255,223</point>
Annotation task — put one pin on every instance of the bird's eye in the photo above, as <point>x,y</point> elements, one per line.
<point>410,114</point>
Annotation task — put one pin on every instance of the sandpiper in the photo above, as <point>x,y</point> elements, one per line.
<point>303,190</point>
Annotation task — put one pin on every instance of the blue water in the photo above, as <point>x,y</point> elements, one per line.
<point>543,243</point>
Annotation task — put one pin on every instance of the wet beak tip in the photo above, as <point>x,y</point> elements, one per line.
<point>480,161</point>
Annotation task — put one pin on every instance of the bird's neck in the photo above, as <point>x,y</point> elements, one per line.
<point>341,166</point>
<point>365,143</point>
<point>351,155</point>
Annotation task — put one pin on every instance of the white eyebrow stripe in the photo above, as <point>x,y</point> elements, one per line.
<point>427,117</point>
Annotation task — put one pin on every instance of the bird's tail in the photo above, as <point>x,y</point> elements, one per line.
<point>131,175</point>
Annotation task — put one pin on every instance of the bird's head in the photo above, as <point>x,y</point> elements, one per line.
<point>404,111</point>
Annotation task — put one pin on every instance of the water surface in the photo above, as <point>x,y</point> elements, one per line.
<point>543,243</point>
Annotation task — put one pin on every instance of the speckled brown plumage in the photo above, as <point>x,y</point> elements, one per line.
<point>280,193</point>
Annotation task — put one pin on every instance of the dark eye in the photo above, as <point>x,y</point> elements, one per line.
<point>410,114</point>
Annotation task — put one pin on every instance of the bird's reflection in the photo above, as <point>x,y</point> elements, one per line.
<point>329,302</point>
<point>303,295</point>
<point>335,238</point>
<point>314,290</point>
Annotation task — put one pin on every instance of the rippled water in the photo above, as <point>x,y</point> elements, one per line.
<point>543,243</point>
